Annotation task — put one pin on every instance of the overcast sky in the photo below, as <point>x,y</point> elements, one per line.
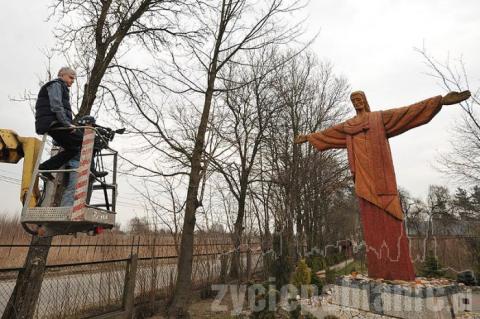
<point>370,42</point>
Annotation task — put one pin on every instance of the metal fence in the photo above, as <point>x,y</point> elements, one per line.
<point>88,289</point>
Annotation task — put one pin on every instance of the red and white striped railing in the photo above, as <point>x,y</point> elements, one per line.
<point>83,174</point>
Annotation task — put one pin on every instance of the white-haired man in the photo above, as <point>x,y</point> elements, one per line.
<point>53,110</point>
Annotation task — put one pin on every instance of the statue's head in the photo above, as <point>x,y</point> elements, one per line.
<point>359,101</point>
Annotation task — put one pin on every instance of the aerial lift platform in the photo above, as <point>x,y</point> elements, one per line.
<point>42,220</point>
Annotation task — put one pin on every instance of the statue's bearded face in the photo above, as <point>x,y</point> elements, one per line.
<point>359,102</point>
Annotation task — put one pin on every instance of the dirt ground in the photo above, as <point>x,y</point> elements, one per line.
<point>202,308</point>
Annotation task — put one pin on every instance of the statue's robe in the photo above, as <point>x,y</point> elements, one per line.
<point>370,160</point>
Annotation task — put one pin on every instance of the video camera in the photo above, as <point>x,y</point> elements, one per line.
<point>103,135</point>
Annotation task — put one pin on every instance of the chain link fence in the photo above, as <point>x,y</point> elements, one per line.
<point>7,283</point>
<point>82,288</point>
<point>93,288</point>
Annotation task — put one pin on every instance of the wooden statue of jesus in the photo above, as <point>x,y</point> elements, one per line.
<point>366,138</point>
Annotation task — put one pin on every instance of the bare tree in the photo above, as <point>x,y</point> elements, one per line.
<point>91,34</point>
<point>189,81</point>
<point>311,97</point>
<point>463,161</point>
<point>138,226</point>
<point>234,32</point>
<point>247,109</point>
<point>165,205</point>
<point>414,212</point>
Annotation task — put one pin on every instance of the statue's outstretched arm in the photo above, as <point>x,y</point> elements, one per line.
<point>301,138</point>
<point>333,137</point>
<point>402,119</point>
<point>455,97</point>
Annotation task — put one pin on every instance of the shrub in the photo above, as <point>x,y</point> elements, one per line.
<point>330,276</point>
<point>302,274</point>
<point>317,282</point>
<point>316,263</point>
<point>269,311</point>
<point>431,267</point>
<point>295,313</point>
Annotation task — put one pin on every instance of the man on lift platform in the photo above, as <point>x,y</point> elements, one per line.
<point>53,110</point>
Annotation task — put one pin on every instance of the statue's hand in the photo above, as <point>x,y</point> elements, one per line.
<point>300,139</point>
<point>455,97</point>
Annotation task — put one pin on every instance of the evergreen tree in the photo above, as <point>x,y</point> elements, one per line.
<point>302,274</point>
<point>431,267</point>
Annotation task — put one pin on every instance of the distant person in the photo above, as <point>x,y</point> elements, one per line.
<point>53,110</point>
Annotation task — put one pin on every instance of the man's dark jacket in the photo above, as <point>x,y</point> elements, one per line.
<point>45,118</point>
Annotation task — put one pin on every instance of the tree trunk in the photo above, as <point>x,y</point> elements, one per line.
<point>23,300</point>
<point>91,87</point>
<point>238,231</point>
<point>297,242</point>
<point>181,299</point>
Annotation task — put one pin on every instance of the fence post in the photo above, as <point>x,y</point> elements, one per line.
<point>223,267</point>
<point>129,288</point>
<point>249,263</point>
<point>153,283</point>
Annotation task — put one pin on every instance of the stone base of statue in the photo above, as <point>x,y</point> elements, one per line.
<point>422,299</point>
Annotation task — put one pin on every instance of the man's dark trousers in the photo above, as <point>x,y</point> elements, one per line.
<point>71,142</point>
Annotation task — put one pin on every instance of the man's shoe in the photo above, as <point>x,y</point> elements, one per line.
<point>99,174</point>
<point>45,175</point>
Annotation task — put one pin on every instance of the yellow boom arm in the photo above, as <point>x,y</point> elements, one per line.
<point>12,149</point>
